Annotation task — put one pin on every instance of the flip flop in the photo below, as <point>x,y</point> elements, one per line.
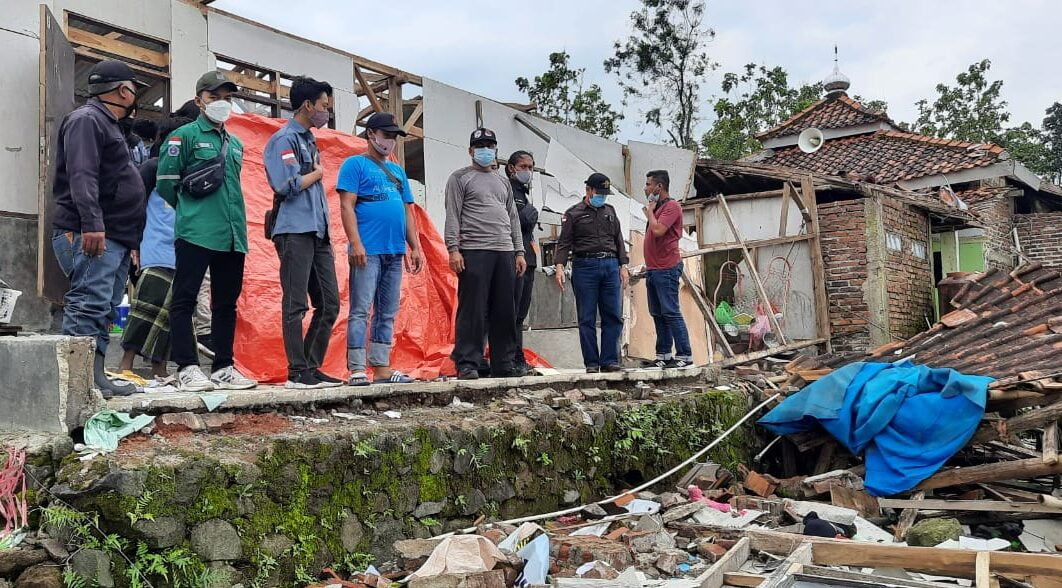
<point>359,379</point>
<point>398,377</point>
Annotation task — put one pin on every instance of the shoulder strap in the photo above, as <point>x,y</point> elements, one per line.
<point>390,175</point>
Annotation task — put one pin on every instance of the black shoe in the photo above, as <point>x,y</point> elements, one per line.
<point>304,380</point>
<point>521,371</point>
<point>678,364</point>
<point>468,375</point>
<point>611,368</point>
<point>593,370</point>
<point>509,373</point>
<point>327,379</point>
<point>660,363</point>
<point>108,388</point>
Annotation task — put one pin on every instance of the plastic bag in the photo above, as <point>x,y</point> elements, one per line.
<point>724,313</point>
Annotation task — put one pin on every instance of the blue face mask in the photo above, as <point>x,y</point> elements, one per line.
<point>597,200</point>
<point>484,156</point>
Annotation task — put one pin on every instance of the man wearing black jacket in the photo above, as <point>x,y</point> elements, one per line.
<point>519,169</point>
<point>99,210</point>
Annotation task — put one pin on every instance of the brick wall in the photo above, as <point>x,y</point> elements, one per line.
<point>908,277</point>
<point>997,213</point>
<point>1041,236</point>
<point>843,235</point>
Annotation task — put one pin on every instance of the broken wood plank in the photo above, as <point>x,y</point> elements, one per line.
<point>1023,422</point>
<point>983,570</point>
<point>750,263</point>
<point>822,465</point>
<point>907,517</point>
<point>794,564</point>
<point>745,580</point>
<point>783,222</point>
<point>970,505</point>
<point>717,247</point>
<point>1050,453</point>
<point>747,357</point>
<point>832,573</point>
<point>928,560</point>
<point>991,472</point>
<point>735,557</point>
<point>373,100</point>
<point>857,500</point>
<point>818,266</point>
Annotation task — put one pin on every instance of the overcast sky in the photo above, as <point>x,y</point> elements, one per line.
<point>896,51</point>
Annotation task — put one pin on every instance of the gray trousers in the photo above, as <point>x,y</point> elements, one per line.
<point>307,267</point>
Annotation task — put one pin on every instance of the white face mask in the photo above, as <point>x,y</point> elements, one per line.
<point>218,111</point>
<point>523,176</point>
<point>383,145</point>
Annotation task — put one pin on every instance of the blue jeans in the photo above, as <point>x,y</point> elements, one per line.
<point>662,286</point>
<point>378,286</point>
<point>596,283</point>
<point>96,286</point>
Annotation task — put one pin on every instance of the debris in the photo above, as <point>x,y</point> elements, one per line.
<point>460,554</point>
<point>933,532</point>
<point>105,428</point>
<point>392,414</point>
<point>715,518</point>
<point>597,570</point>
<point>213,400</point>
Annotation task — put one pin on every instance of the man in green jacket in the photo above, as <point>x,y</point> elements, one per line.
<point>210,232</point>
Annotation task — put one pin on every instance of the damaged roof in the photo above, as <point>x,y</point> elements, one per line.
<point>886,156</point>
<point>832,112</point>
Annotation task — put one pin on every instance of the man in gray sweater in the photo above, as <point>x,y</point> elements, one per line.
<point>486,249</point>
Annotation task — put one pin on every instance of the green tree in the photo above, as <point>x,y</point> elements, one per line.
<point>558,95</point>
<point>974,110</point>
<point>664,62</point>
<point>1051,134</point>
<point>753,101</point>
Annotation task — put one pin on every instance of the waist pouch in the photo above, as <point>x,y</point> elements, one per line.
<point>203,179</point>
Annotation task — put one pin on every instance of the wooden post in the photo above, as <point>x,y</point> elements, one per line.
<point>983,569</point>
<point>907,517</point>
<point>784,221</point>
<point>376,106</point>
<point>395,107</point>
<point>627,181</point>
<point>818,267</point>
<point>752,271</point>
<point>1050,453</point>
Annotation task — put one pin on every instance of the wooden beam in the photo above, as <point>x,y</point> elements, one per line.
<point>992,472</point>
<point>249,81</point>
<point>783,222</point>
<point>368,89</point>
<point>732,561</point>
<point>717,247</point>
<point>1050,443</point>
<point>983,569</point>
<point>92,54</point>
<point>413,116</point>
<point>627,177</point>
<point>858,500</point>
<point>522,119</point>
<point>116,47</point>
<point>927,560</point>
<point>818,266</point>
<point>970,505</point>
<point>907,517</point>
<point>747,357</point>
<point>751,263</point>
<point>415,132</point>
<point>1023,422</point>
<point>709,315</point>
<point>396,107</point>
<point>745,580</point>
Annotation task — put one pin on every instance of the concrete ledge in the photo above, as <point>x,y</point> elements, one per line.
<point>46,383</point>
<point>275,396</point>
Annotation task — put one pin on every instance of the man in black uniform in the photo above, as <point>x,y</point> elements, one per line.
<point>590,232</point>
<point>519,169</point>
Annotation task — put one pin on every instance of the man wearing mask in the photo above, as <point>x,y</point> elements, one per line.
<point>199,175</point>
<point>377,207</point>
<point>664,264</point>
<point>482,234</point>
<point>99,210</point>
<point>519,168</point>
<point>592,237</point>
<point>299,229</point>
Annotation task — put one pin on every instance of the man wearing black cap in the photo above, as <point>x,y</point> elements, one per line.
<point>376,203</point>
<point>486,249</point>
<point>298,226</point>
<point>99,210</point>
<point>199,175</point>
<point>591,234</point>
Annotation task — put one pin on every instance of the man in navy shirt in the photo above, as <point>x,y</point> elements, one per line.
<point>300,232</point>
<point>378,218</point>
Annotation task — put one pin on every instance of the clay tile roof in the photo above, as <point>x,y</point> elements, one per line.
<point>828,113</point>
<point>978,195</point>
<point>885,157</point>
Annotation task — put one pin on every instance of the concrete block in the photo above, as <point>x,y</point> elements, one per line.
<point>46,383</point>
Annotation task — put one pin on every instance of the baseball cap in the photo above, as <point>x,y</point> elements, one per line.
<point>600,183</point>
<point>481,136</point>
<point>384,121</point>
<point>105,73</point>
<point>214,80</point>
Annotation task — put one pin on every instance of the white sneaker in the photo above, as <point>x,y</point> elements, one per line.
<point>192,379</point>
<point>230,379</point>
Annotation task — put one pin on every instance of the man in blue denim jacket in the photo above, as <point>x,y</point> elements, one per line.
<point>300,233</point>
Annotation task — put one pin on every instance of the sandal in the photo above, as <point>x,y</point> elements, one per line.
<point>359,379</point>
<point>398,377</point>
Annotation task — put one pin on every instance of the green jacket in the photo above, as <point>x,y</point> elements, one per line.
<point>218,221</point>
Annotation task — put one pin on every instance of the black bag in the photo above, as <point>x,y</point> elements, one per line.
<point>203,179</point>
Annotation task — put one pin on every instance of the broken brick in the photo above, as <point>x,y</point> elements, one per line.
<point>761,485</point>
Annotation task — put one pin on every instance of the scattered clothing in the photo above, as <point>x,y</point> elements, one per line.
<point>104,429</point>
<point>816,527</point>
<point>908,419</point>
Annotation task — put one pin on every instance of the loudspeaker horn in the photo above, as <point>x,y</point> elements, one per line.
<point>810,140</point>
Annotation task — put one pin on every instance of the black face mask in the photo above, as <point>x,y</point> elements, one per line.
<point>126,110</point>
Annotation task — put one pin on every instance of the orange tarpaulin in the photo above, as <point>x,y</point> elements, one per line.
<point>424,325</point>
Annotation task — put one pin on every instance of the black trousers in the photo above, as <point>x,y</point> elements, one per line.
<point>226,282</point>
<point>524,286</point>
<point>307,267</point>
<point>486,304</point>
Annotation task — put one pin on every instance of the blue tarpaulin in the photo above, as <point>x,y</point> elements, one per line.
<point>907,419</point>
